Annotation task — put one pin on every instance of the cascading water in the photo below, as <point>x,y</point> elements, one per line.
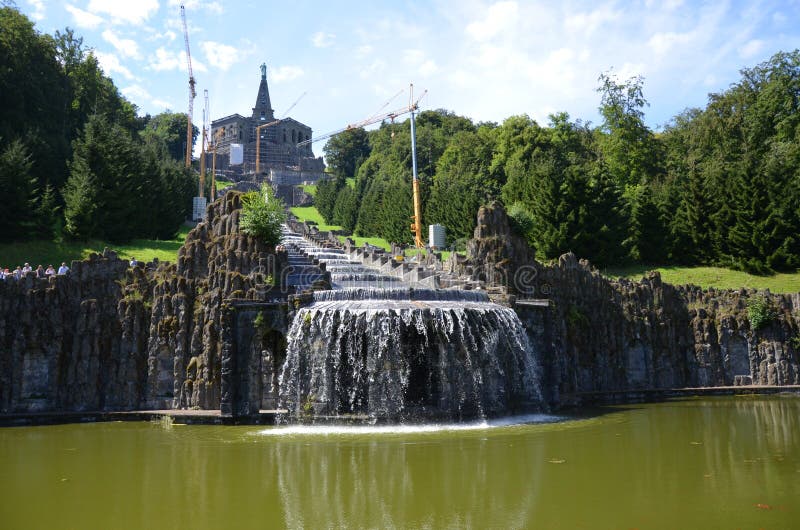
<point>404,353</point>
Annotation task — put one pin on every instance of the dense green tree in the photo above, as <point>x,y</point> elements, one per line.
<point>325,199</point>
<point>119,188</point>
<point>463,182</point>
<point>345,152</point>
<point>102,190</point>
<point>345,209</point>
<point>629,148</point>
<point>168,129</point>
<point>16,189</point>
<point>737,163</point>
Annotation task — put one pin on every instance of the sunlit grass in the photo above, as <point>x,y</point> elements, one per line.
<point>53,253</point>
<point>310,213</point>
<point>222,184</point>
<point>375,241</point>
<point>716,277</point>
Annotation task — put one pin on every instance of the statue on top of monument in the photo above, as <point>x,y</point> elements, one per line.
<point>263,70</point>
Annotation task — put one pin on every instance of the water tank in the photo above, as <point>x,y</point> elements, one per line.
<point>436,236</point>
<point>237,154</point>
<point>198,208</point>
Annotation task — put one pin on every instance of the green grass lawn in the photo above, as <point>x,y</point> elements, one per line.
<point>311,189</point>
<point>716,277</point>
<point>310,213</point>
<point>377,241</point>
<point>53,253</point>
<point>222,184</point>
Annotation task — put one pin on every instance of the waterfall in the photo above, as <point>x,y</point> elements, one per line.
<point>405,353</point>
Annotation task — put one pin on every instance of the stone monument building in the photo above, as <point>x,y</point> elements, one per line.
<point>280,157</point>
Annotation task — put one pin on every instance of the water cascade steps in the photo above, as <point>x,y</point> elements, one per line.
<point>379,346</point>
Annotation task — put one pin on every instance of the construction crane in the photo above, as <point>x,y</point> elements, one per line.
<point>203,142</point>
<point>192,92</point>
<point>270,124</point>
<point>413,106</point>
<point>217,136</point>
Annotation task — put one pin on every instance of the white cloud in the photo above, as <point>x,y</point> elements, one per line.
<point>124,12</point>
<point>500,17</point>
<point>136,92</point>
<point>165,105</point>
<point>127,47</point>
<point>429,67</point>
<point>191,5</point>
<point>168,35</point>
<point>588,23</point>
<point>83,19</point>
<point>38,9</point>
<point>363,51</point>
<point>751,48</point>
<point>413,56</point>
<point>222,56</point>
<point>110,64</point>
<point>285,73</point>
<point>376,67</point>
<point>321,39</point>
<point>165,60</point>
<point>139,95</point>
<point>663,43</point>
<point>419,60</point>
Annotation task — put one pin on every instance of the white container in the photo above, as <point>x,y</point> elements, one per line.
<point>237,154</point>
<point>198,208</point>
<point>437,236</point>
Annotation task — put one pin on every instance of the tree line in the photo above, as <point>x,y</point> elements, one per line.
<point>718,185</point>
<point>75,159</point>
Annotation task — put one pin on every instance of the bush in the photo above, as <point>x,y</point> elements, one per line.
<point>760,313</point>
<point>521,221</point>
<point>262,215</point>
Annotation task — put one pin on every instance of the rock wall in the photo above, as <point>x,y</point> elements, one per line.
<point>62,345</point>
<point>600,335</point>
<point>111,337</point>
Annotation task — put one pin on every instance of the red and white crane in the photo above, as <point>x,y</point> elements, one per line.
<point>192,92</point>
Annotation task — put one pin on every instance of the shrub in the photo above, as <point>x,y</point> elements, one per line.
<point>521,221</point>
<point>262,215</point>
<point>760,312</point>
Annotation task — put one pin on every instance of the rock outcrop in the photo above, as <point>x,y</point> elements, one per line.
<point>112,337</point>
<point>598,334</point>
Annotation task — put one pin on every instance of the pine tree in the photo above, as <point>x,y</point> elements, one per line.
<point>16,189</point>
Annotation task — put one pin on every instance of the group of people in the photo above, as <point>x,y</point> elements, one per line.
<point>40,272</point>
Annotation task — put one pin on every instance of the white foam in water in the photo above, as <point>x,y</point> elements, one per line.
<point>377,346</point>
<point>333,430</point>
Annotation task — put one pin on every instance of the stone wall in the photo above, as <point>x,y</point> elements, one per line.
<point>599,335</point>
<point>111,337</point>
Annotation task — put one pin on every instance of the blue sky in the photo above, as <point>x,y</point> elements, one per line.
<point>483,59</point>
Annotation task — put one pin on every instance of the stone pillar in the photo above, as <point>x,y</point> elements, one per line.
<point>228,375</point>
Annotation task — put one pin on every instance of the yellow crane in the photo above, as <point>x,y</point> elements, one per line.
<point>412,107</point>
<point>214,164</point>
<point>192,92</point>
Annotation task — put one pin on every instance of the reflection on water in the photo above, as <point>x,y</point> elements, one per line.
<point>730,462</point>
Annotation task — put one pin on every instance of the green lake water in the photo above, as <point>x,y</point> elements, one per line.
<point>703,463</point>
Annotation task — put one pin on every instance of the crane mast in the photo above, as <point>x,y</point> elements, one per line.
<point>203,143</point>
<point>192,91</point>
<point>413,106</point>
